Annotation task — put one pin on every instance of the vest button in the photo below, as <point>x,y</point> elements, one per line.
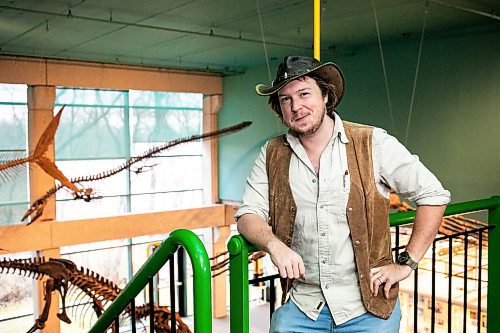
<point>349,209</point>
<point>288,242</point>
<point>361,277</point>
<point>292,209</point>
<point>356,242</point>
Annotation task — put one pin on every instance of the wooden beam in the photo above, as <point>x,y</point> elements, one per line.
<point>39,71</point>
<point>54,234</point>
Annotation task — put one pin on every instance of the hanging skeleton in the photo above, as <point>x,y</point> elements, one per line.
<point>37,207</point>
<point>65,278</point>
<point>8,169</point>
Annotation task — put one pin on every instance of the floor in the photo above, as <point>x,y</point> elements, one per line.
<point>259,320</point>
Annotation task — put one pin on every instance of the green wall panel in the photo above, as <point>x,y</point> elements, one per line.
<point>455,120</point>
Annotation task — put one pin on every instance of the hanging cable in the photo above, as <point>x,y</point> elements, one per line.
<point>264,42</point>
<point>416,75</point>
<point>383,67</point>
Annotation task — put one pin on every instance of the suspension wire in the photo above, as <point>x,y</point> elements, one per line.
<point>416,74</point>
<point>277,123</point>
<point>383,67</point>
<point>264,42</point>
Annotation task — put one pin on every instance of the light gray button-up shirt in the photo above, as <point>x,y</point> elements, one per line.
<point>321,232</point>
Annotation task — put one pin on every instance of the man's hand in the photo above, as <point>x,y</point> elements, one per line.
<point>386,276</point>
<point>258,232</point>
<point>288,262</point>
<point>425,228</point>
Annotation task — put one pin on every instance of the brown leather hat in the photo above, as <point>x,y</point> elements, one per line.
<point>294,67</point>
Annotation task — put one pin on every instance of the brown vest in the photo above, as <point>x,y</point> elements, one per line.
<point>367,211</point>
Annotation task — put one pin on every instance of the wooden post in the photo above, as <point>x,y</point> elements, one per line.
<point>211,106</point>
<point>219,295</point>
<point>40,113</point>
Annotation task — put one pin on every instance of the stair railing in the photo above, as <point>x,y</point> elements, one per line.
<point>201,281</point>
<point>239,248</point>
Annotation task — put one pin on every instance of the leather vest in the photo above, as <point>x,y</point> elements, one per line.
<point>367,211</point>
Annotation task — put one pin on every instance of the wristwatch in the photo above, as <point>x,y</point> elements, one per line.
<point>404,258</point>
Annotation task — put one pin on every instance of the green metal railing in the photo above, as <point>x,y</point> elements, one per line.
<point>201,281</point>
<point>239,248</point>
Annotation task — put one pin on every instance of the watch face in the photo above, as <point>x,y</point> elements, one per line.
<point>403,257</point>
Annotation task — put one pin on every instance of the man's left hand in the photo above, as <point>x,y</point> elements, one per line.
<point>387,276</point>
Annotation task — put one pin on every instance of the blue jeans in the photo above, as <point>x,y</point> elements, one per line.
<point>288,318</point>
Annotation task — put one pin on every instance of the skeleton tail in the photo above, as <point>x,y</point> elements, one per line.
<point>42,145</point>
<point>162,316</point>
<point>28,267</point>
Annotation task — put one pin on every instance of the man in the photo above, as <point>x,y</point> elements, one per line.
<point>317,202</point>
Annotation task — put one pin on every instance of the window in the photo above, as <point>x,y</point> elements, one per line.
<point>13,128</point>
<point>16,302</point>
<point>101,129</point>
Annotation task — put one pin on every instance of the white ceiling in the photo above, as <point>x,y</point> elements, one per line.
<point>221,35</point>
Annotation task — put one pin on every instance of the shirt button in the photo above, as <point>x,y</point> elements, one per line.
<point>324,261</point>
<point>323,234</point>
<point>314,180</point>
<point>321,206</point>
<point>326,287</point>
<point>349,209</point>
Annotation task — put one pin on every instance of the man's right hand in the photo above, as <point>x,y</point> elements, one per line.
<point>288,262</point>
<point>258,232</point>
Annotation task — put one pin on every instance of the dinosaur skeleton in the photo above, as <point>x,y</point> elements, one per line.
<point>37,207</point>
<point>64,277</point>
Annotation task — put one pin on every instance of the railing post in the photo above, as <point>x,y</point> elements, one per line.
<point>238,279</point>
<point>493,307</point>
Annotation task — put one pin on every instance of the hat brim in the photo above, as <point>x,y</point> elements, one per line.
<point>328,72</point>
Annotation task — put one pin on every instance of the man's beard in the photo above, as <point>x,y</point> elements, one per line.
<point>312,130</point>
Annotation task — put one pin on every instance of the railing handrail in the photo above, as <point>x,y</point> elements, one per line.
<point>401,218</point>
<point>201,281</point>
<point>395,219</point>
<point>239,248</point>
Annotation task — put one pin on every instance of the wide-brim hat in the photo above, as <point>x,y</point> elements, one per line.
<point>293,67</point>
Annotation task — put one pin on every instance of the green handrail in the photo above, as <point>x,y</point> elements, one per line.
<point>201,281</point>
<point>239,248</point>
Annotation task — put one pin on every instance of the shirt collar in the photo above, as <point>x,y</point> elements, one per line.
<point>338,129</point>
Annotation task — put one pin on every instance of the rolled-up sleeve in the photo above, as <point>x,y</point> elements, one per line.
<point>255,197</point>
<point>405,173</point>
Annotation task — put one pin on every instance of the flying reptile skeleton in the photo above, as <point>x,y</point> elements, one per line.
<point>8,170</point>
<point>65,278</point>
